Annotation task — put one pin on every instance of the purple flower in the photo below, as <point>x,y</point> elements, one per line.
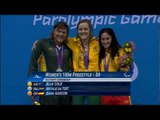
<point>132,45</point>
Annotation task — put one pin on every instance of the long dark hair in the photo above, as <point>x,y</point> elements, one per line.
<point>114,47</point>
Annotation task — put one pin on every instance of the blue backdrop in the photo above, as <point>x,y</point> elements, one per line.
<point>18,32</point>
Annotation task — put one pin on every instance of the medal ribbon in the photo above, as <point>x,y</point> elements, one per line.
<point>86,56</point>
<point>59,56</point>
<point>106,64</point>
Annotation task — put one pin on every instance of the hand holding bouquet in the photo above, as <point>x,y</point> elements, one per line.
<point>127,58</point>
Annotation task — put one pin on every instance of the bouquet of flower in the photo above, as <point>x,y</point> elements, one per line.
<point>127,58</point>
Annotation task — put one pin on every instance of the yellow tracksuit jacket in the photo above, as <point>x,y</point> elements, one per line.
<point>78,59</point>
<point>113,64</point>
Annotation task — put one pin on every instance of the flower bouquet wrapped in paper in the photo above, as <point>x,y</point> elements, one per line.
<point>127,58</point>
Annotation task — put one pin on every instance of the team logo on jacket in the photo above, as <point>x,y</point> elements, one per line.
<point>50,49</point>
<point>95,49</point>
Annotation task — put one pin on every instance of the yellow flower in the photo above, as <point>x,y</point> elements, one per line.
<point>127,44</point>
<point>129,50</point>
<point>128,59</point>
<point>126,50</point>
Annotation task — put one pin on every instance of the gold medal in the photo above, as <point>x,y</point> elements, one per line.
<point>86,70</point>
<point>36,103</point>
<point>59,70</point>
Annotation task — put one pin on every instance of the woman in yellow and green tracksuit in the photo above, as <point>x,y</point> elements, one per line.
<point>110,55</point>
<point>85,53</point>
<point>49,55</point>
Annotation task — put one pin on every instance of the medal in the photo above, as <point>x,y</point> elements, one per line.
<point>86,56</point>
<point>59,70</point>
<point>36,103</point>
<point>59,59</point>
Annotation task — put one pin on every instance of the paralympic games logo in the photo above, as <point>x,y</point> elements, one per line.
<point>36,76</point>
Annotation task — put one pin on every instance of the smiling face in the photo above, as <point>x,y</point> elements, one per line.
<point>83,31</point>
<point>60,34</point>
<point>106,40</point>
